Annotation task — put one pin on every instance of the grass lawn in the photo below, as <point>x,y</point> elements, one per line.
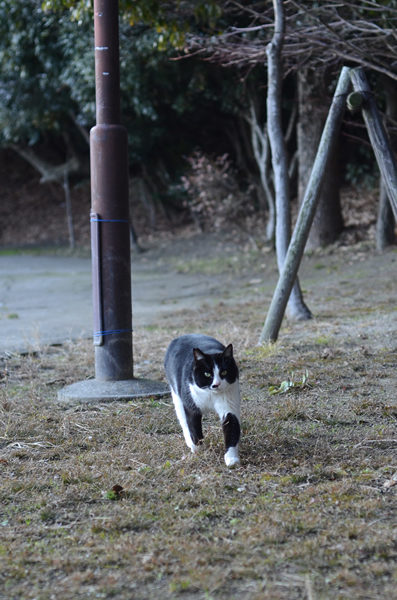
<point>106,501</point>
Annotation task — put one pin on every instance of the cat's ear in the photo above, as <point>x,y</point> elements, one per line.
<point>228,351</point>
<point>198,355</point>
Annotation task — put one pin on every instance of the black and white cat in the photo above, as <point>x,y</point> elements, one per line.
<point>203,377</point>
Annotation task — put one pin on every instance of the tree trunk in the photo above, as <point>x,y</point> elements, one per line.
<point>313,110</point>
<point>296,306</point>
<point>385,235</point>
<point>260,146</point>
<point>69,213</point>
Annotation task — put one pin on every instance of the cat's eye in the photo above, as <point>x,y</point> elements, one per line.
<point>223,373</point>
<point>208,374</point>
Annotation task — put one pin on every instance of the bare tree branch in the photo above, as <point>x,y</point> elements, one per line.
<point>47,171</point>
<point>316,34</point>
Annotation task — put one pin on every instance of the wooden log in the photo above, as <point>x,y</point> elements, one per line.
<point>377,135</point>
<point>355,101</point>
<point>310,201</point>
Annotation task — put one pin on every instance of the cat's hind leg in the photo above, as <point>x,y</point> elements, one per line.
<point>231,432</point>
<point>190,423</point>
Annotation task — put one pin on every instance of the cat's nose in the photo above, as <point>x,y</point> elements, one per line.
<point>215,385</point>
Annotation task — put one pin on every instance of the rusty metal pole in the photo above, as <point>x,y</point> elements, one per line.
<point>110,234</point>
<point>109,217</point>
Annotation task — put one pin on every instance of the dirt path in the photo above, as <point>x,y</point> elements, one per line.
<point>47,299</point>
<point>350,290</point>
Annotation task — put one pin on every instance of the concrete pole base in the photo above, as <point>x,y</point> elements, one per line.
<point>95,391</point>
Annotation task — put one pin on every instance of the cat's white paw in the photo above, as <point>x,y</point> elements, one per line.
<point>196,448</point>
<point>232,462</point>
<point>232,458</point>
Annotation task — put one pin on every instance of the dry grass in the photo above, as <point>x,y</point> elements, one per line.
<point>310,514</point>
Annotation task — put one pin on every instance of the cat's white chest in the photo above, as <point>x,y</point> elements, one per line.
<point>203,398</point>
<point>222,401</point>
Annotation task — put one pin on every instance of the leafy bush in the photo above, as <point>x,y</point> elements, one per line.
<point>214,196</point>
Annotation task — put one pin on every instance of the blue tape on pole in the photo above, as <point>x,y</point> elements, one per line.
<point>114,331</point>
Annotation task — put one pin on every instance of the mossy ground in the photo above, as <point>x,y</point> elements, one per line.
<point>311,511</point>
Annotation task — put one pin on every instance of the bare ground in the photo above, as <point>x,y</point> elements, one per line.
<point>106,501</point>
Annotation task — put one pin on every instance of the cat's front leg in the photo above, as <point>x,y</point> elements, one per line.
<point>231,432</point>
<point>194,424</point>
<point>190,423</point>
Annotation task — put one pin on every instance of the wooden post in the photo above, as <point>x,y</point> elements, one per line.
<point>378,136</point>
<point>310,201</point>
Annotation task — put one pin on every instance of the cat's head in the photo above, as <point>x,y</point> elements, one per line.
<point>214,371</point>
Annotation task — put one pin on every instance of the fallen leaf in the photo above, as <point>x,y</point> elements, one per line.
<point>116,493</point>
<point>391,482</point>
